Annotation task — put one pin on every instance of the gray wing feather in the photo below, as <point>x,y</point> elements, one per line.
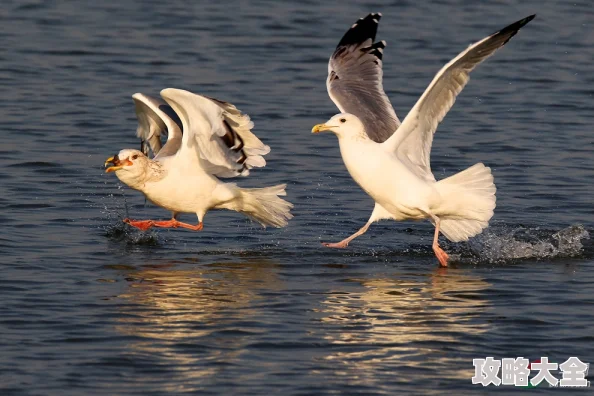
<point>355,79</point>
<point>414,138</point>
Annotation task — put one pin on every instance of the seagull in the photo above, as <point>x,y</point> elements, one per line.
<point>391,160</point>
<point>207,139</point>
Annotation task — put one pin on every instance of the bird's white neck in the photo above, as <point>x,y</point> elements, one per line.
<point>138,178</point>
<point>357,136</point>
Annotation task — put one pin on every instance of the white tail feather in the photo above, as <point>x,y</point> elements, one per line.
<point>468,202</point>
<point>264,205</point>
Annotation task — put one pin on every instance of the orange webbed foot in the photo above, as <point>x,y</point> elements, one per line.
<point>140,224</point>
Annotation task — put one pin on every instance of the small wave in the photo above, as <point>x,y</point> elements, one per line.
<point>34,164</point>
<point>501,244</point>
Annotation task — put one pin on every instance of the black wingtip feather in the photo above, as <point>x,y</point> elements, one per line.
<point>518,25</point>
<point>378,54</point>
<point>376,49</point>
<point>363,29</point>
<point>512,29</point>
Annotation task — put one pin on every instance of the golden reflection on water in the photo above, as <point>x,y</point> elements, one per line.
<point>176,306</point>
<point>395,323</point>
<point>373,327</point>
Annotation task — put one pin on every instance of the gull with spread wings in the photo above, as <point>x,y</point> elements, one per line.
<point>391,160</point>
<point>207,139</point>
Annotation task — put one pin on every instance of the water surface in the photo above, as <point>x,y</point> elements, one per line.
<point>91,307</point>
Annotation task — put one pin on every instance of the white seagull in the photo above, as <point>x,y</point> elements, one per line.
<point>389,160</point>
<point>206,139</point>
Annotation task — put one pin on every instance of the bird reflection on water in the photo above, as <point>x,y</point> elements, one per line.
<point>400,324</point>
<point>188,315</point>
<point>205,318</point>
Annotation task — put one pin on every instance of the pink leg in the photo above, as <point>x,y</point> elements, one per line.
<point>442,256</point>
<point>344,243</point>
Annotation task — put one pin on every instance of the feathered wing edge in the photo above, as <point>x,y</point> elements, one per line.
<point>218,132</point>
<point>355,76</point>
<point>237,136</point>
<point>156,118</point>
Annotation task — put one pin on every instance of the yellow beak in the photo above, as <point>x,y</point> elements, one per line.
<point>321,127</point>
<point>114,168</point>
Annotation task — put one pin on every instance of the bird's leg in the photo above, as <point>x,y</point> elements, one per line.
<point>344,243</point>
<point>140,224</point>
<point>173,223</point>
<point>167,223</point>
<point>442,256</point>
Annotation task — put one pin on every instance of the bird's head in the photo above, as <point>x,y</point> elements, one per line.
<point>128,165</point>
<point>343,125</point>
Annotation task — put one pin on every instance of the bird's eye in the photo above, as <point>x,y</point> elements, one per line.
<point>135,156</point>
<point>343,120</point>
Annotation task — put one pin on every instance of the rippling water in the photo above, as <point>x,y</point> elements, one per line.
<point>91,307</point>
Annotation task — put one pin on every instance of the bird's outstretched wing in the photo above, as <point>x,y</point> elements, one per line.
<point>412,141</point>
<point>355,79</point>
<point>216,134</point>
<point>156,118</point>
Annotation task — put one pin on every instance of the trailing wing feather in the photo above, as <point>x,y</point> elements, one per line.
<point>217,133</point>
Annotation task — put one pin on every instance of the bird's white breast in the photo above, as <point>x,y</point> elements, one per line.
<point>386,179</point>
<point>183,189</point>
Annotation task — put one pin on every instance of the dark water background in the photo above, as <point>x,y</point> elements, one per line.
<point>90,307</point>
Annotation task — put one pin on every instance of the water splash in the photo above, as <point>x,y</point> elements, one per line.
<point>502,244</point>
<point>116,229</point>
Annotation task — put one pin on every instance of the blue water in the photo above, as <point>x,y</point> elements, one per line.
<point>89,306</point>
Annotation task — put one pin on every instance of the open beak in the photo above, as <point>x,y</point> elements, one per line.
<point>117,164</point>
<point>321,127</point>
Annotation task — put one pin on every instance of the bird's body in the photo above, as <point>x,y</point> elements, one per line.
<point>390,159</point>
<point>463,203</point>
<point>198,193</point>
<point>398,190</point>
<point>183,176</point>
